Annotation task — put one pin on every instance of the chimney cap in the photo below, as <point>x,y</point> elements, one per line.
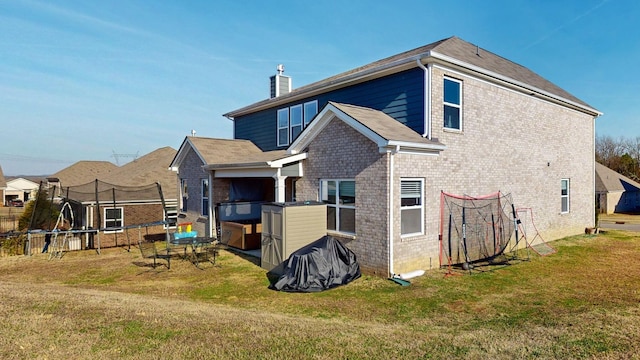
<point>280,69</point>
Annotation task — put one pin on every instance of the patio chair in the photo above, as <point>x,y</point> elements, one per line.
<point>149,251</point>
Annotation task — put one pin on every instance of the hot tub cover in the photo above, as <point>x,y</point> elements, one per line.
<point>321,265</point>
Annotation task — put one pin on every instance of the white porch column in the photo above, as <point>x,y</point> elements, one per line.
<point>279,181</point>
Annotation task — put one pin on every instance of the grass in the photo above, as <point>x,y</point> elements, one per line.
<point>581,303</point>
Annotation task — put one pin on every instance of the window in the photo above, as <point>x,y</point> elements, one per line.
<point>184,194</point>
<point>283,127</point>
<point>295,121</point>
<point>340,197</point>
<point>205,197</point>
<point>564,197</point>
<point>411,207</point>
<point>310,110</point>
<point>171,216</point>
<point>292,120</point>
<point>452,104</point>
<point>113,218</point>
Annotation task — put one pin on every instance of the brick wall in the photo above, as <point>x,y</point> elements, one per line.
<point>511,142</point>
<point>340,152</point>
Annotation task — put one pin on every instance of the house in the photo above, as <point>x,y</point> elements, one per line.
<point>616,193</point>
<point>127,195</point>
<point>3,187</point>
<point>379,144</point>
<point>20,189</point>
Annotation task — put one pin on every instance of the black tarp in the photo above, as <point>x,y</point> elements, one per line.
<point>321,265</point>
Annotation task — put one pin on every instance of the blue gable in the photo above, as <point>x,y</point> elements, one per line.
<point>399,95</point>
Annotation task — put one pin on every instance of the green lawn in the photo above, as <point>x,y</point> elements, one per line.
<point>581,303</point>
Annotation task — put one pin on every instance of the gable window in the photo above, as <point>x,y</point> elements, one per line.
<point>411,207</point>
<point>292,120</point>
<point>452,104</point>
<point>564,195</point>
<point>283,127</point>
<point>340,197</point>
<point>295,121</point>
<point>184,194</point>
<point>113,219</point>
<point>310,110</point>
<point>205,197</point>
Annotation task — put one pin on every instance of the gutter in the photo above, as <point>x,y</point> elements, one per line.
<point>391,208</point>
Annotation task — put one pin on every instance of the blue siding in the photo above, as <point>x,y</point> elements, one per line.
<point>400,95</point>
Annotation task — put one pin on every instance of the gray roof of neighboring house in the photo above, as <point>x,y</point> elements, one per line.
<point>607,180</point>
<point>467,55</point>
<point>148,169</point>
<point>382,124</point>
<point>83,172</point>
<point>3,181</point>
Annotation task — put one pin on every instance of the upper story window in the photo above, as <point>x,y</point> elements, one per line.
<point>564,195</point>
<point>452,104</point>
<point>292,120</point>
<point>340,197</point>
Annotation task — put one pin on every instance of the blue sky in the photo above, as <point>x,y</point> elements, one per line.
<point>84,80</point>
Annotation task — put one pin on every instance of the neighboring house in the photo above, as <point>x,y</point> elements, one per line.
<point>616,193</point>
<point>3,188</point>
<point>21,189</point>
<point>127,194</point>
<point>378,145</point>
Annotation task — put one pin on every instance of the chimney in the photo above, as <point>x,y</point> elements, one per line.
<point>280,84</point>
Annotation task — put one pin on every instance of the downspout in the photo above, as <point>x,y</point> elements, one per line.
<point>390,224</point>
<point>427,98</point>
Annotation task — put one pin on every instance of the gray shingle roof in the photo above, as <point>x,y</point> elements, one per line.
<point>453,47</point>
<point>607,180</point>
<point>226,150</point>
<point>382,124</point>
<point>84,171</point>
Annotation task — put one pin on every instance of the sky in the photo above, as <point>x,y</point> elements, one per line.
<point>112,80</point>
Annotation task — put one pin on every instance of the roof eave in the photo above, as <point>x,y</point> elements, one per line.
<point>532,90</point>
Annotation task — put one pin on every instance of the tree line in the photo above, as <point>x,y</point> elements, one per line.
<point>621,155</point>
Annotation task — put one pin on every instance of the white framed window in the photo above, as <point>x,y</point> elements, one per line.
<point>171,216</point>
<point>340,197</point>
<point>283,127</point>
<point>205,197</point>
<point>452,104</point>
<point>292,120</point>
<point>295,121</point>
<point>411,207</point>
<point>310,110</point>
<point>564,196</point>
<point>184,195</point>
<point>113,219</point>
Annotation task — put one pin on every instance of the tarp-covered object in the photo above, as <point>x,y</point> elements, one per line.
<point>321,265</point>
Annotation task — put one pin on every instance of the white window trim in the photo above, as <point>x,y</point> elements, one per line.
<point>337,205</point>
<point>184,195</point>
<point>280,141</point>
<point>291,125</point>
<point>304,120</point>
<point>104,219</point>
<point>421,206</point>
<point>568,196</point>
<point>204,183</point>
<point>458,106</point>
